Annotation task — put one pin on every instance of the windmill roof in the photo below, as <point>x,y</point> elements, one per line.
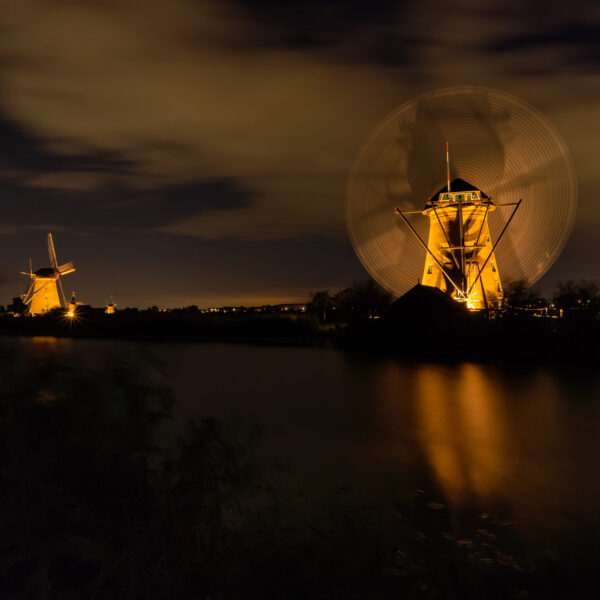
<point>459,185</point>
<point>46,273</point>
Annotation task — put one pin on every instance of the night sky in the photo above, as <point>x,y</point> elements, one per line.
<point>196,152</point>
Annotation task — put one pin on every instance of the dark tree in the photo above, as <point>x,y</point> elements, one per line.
<point>520,296</point>
<point>581,297</point>
<point>361,301</point>
<point>321,304</point>
<point>18,307</point>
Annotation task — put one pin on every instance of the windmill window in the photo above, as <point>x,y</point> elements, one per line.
<point>493,267</point>
<point>429,269</point>
<point>498,285</point>
<point>487,239</point>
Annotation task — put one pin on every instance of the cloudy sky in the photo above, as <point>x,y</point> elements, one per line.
<point>196,152</point>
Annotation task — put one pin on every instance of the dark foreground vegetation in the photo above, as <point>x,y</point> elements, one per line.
<point>98,503</point>
<point>423,324</point>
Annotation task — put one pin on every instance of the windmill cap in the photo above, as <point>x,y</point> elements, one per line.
<point>47,273</point>
<point>459,185</point>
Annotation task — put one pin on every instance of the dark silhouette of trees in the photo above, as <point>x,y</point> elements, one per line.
<point>582,298</point>
<point>320,305</point>
<point>361,301</point>
<point>18,307</point>
<point>518,295</point>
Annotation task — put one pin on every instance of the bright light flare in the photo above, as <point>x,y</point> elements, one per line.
<point>470,300</point>
<point>70,315</point>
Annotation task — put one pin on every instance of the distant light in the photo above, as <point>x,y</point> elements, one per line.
<point>70,314</point>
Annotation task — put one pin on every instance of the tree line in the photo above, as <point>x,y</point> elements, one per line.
<point>368,300</point>
<point>360,301</point>
<point>570,297</point>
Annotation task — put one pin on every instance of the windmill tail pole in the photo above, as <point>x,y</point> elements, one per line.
<point>62,293</point>
<point>494,246</point>
<point>429,253</point>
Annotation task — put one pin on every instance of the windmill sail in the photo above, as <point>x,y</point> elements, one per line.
<point>52,253</point>
<point>66,268</point>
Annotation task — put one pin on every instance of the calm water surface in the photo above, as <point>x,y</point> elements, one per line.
<point>522,441</point>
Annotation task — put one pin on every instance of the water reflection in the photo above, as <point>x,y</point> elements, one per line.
<point>523,441</point>
<point>461,430</point>
<point>519,441</point>
<point>44,344</point>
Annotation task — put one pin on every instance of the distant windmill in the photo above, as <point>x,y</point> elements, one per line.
<point>72,306</point>
<point>110,308</point>
<point>43,293</point>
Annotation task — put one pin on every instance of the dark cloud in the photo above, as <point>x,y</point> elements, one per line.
<point>314,23</point>
<point>116,207</point>
<point>356,32</point>
<point>580,41</point>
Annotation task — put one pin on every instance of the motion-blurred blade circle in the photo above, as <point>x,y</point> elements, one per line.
<point>498,143</point>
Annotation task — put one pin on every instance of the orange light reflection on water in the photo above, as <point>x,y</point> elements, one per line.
<point>460,429</point>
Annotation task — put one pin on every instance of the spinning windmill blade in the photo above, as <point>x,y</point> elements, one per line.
<point>500,144</point>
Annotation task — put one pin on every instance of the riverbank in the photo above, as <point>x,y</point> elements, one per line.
<point>171,327</point>
<point>504,339</point>
<point>465,336</point>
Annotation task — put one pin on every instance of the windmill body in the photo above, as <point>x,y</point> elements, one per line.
<point>110,308</point>
<point>460,259</point>
<point>45,291</point>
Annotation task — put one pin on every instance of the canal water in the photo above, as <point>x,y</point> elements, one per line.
<point>522,441</point>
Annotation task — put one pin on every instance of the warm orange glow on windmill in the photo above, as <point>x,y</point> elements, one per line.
<point>110,307</point>
<point>45,291</point>
<point>460,255</point>
<point>501,148</point>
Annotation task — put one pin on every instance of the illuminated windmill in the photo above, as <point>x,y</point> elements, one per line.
<point>110,308</point>
<point>45,291</point>
<point>460,256</point>
<point>502,148</point>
